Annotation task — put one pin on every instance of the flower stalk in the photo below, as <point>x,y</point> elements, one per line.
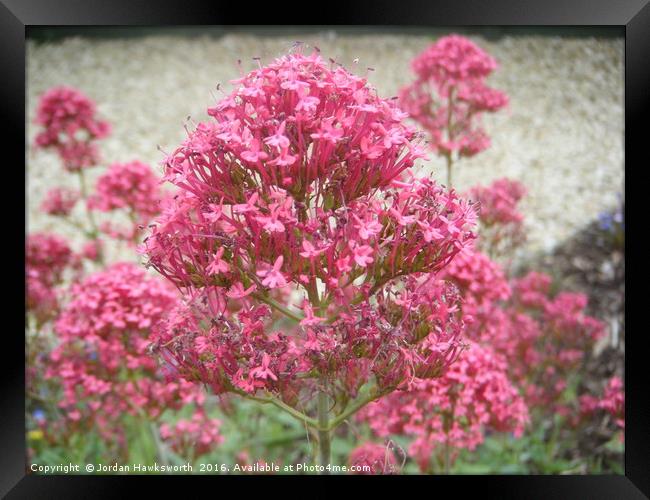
<point>324,444</point>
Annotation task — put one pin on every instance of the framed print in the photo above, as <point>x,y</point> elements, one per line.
<point>393,244</point>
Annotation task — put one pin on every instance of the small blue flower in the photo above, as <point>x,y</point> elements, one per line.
<point>38,415</point>
<point>606,221</point>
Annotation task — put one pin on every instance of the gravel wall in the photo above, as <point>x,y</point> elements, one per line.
<point>562,135</point>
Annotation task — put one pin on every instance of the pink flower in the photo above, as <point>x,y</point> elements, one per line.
<point>263,372</point>
<point>367,229</point>
<point>284,159</point>
<point>249,206</point>
<point>328,131</point>
<point>102,353</point>
<point>237,291</point>
<point>310,251</point>
<point>47,256</point>
<point>343,264</point>
<point>273,278</point>
<point>271,223</point>
<point>215,212</point>
<point>218,265</point>
<point>499,215</point>
<point>310,319</point>
<point>254,153</point>
<point>194,437</point>
<point>131,187</point>
<point>402,220</point>
<point>362,255</point>
<point>278,140</point>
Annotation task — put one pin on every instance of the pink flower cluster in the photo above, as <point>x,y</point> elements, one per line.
<point>453,60</point>
<point>490,317</point>
<point>502,227</point>
<point>529,340</point>
<point>543,336</point>
<point>132,187</point>
<point>481,281</point>
<point>193,437</point>
<point>379,458</point>
<point>411,333</point>
<point>47,256</point>
<point>452,411</point>
<point>101,359</point>
<point>612,402</point>
<point>300,182</point>
<point>499,202</point>
<point>450,94</point>
<point>70,127</point>
<point>566,335</point>
<point>60,201</point>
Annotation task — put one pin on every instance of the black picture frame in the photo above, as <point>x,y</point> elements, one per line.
<point>18,16</point>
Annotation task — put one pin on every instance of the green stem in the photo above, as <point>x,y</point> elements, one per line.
<point>355,408</point>
<point>323,432</point>
<point>78,226</point>
<point>84,194</point>
<point>134,220</point>
<point>162,451</point>
<point>276,441</point>
<point>282,405</point>
<point>450,101</point>
<point>279,307</point>
<point>447,457</point>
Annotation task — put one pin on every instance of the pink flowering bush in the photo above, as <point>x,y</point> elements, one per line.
<point>450,94</point>
<point>545,336</point>
<point>70,127</point>
<point>101,358</point>
<point>68,123</point>
<point>88,359</point>
<point>454,411</point>
<point>300,181</point>
<point>535,338</point>
<point>566,335</point>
